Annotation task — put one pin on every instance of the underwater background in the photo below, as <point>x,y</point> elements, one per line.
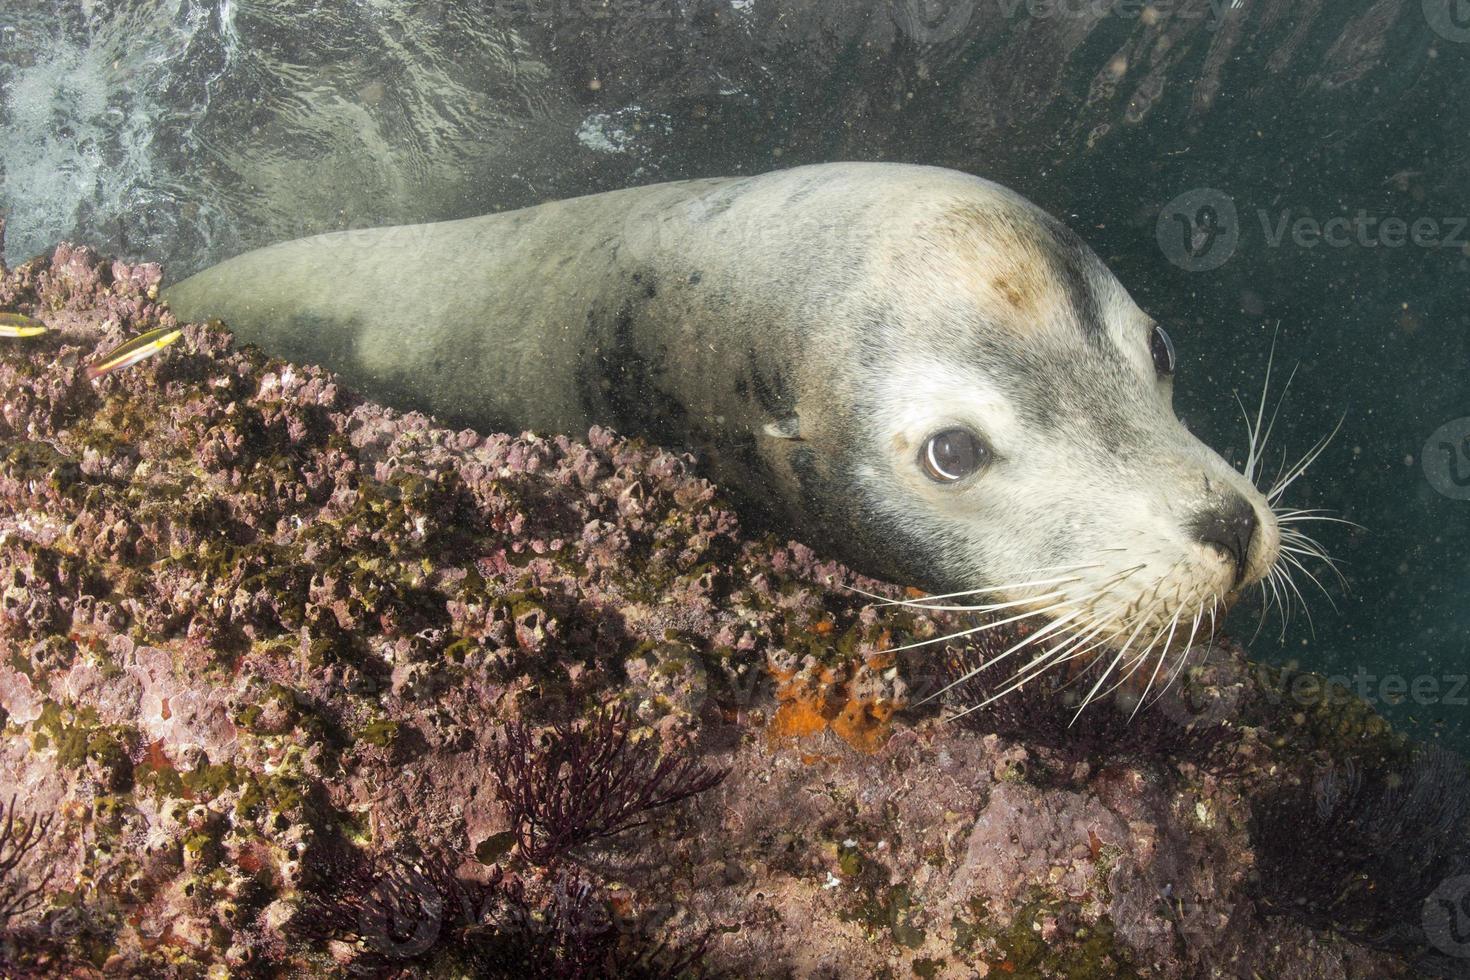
<point>1203,148</point>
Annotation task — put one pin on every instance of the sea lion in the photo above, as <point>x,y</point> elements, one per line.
<point>911,368</point>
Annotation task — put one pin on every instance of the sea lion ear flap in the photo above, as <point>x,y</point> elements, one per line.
<point>787,428</point>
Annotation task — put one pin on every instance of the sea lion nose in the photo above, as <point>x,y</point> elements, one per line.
<point>1229,528</point>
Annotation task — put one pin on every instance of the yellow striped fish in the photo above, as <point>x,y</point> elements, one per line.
<point>139,348</point>
<point>20,325</point>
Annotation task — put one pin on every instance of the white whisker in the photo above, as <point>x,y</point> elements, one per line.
<point>1303,569</point>
<point>885,600</point>
<point>985,626</point>
<point>1184,656</point>
<point>1294,517</point>
<point>1040,634</point>
<point>1290,583</point>
<point>1258,444</point>
<point>1302,464</point>
<point>988,607</point>
<point>1280,400</point>
<point>1158,665</point>
<point>1047,661</point>
<point>1122,652</point>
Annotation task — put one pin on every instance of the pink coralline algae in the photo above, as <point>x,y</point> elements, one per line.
<point>263,640</point>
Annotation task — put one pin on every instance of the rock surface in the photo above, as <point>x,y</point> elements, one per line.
<point>263,641</point>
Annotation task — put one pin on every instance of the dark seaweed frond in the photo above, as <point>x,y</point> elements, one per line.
<point>402,912</point>
<point>1362,851</point>
<point>395,908</point>
<point>580,783</point>
<point>1042,714</point>
<point>17,838</point>
<point>571,935</point>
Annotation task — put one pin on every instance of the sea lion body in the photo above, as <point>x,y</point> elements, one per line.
<point>807,331</point>
<point>691,313</point>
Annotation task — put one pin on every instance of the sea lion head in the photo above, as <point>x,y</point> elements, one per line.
<point>1011,436</point>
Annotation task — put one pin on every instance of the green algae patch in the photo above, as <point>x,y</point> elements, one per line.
<point>927,969</point>
<point>40,461</point>
<point>382,733</point>
<point>883,909</point>
<point>207,780</point>
<point>1085,951</point>
<point>79,740</point>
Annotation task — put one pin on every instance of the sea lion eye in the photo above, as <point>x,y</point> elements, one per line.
<point>1162,349</point>
<point>952,455</point>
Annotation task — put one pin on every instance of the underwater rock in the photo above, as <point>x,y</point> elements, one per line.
<point>265,644</point>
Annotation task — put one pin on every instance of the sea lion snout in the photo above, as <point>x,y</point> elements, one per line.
<point>1230,529</point>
